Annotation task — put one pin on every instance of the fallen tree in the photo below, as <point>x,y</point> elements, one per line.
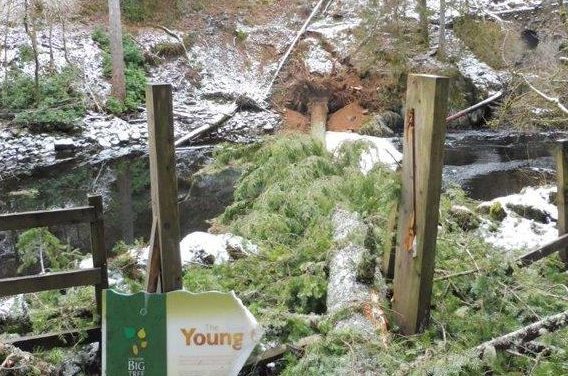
<point>525,334</point>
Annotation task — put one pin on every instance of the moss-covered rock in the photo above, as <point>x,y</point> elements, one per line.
<point>464,218</point>
<point>530,212</point>
<point>497,212</point>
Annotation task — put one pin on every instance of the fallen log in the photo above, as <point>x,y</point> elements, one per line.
<point>209,127</point>
<point>525,334</point>
<point>544,251</point>
<point>358,304</point>
<point>477,106</point>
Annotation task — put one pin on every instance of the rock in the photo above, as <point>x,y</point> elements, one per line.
<point>104,143</point>
<point>64,144</point>
<point>81,362</point>
<point>465,218</point>
<point>208,249</point>
<point>14,315</point>
<point>123,137</point>
<point>530,212</point>
<point>8,258</point>
<point>382,125</point>
<point>210,193</point>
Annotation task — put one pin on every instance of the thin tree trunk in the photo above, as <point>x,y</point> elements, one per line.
<point>318,112</point>
<point>51,58</point>
<point>116,49</point>
<point>528,333</point>
<point>30,27</point>
<point>422,8</point>
<point>442,40</point>
<point>6,32</point>
<point>64,37</point>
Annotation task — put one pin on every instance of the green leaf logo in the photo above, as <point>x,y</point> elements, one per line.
<point>129,333</point>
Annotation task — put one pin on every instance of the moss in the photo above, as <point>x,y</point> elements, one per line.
<point>497,212</point>
<point>484,38</point>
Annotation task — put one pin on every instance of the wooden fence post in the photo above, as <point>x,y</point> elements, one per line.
<point>98,248</point>
<point>423,146</point>
<point>562,195</point>
<point>164,185</point>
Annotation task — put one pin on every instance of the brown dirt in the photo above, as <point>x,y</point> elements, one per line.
<point>295,122</point>
<point>349,119</point>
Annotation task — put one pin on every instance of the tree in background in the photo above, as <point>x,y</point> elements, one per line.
<point>422,8</point>
<point>116,51</point>
<point>38,245</point>
<point>31,10</point>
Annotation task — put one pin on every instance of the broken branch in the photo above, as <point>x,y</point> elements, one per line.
<point>525,334</point>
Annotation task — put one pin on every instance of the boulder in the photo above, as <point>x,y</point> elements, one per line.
<point>205,248</point>
<point>211,191</point>
<point>64,144</point>
<point>464,218</point>
<point>8,257</point>
<point>384,125</point>
<point>14,315</point>
<point>530,212</point>
<point>84,361</point>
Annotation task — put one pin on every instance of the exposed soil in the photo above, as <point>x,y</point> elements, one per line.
<point>350,118</point>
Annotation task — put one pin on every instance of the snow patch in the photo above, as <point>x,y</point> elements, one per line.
<point>381,150</point>
<point>516,232</point>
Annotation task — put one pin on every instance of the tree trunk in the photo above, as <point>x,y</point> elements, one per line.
<point>318,112</point>
<point>6,31</point>
<point>116,49</point>
<point>422,9</point>
<point>51,59</point>
<point>64,37</point>
<point>528,333</point>
<point>124,182</point>
<point>30,27</point>
<point>442,40</point>
<point>347,293</point>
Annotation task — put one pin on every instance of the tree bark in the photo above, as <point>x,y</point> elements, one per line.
<point>6,32</point>
<point>30,27</point>
<point>358,304</point>
<point>442,39</point>
<point>526,334</point>
<point>20,363</point>
<point>422,8</point>
<point>318,112</point>
<point>116,50</point>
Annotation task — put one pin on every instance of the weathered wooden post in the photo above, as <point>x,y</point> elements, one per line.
<point>423,145</point>
<point>164,248</point>
<point>562,195</point>
<point>98,248</point>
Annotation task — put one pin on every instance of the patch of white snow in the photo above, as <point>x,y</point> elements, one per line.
<point>381,150</point>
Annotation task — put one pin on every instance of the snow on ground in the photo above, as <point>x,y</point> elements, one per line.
<point>197,247</point>
<point>457,8</point>
<point>381,150</point>
<point>516,232</point>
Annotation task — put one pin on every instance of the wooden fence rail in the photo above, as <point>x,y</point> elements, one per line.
<point>96,276</point>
